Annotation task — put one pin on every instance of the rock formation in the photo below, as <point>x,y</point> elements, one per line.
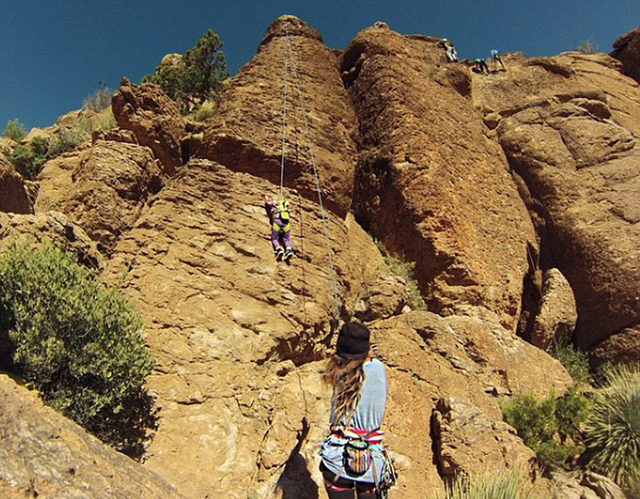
<point>45,455</point>
<point>153,118</point>
<point>557,315</point>
<point>627,50</point>
<point>430,183</point>
<point>103,188</point>
<point>246,132</point>
<point>568,125</point>
<point>15,198</point>
<point>51,227</point>
<point>484,181</point>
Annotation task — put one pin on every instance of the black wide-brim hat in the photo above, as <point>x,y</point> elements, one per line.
<point>353,341</point>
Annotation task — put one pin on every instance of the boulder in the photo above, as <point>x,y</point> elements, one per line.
<point>470,358</point>
<point>103,189</point>
<point>584,485</point>
<point>154,119</point>
<point>14,198</point>
<point>557,317</point>
<point>627,50</point>
<point>320,129</point>
<point>51,226</point>
<point>576,149</point>
<point>43,454</point>
<point>429,183</point>
<point>468,443</point>
<point>623,346</point>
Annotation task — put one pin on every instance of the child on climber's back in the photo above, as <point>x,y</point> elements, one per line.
<point>278,210</point>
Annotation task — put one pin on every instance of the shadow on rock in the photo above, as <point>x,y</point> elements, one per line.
<point>296,481</point>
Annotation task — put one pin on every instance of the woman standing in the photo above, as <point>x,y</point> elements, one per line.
<point>353,456</point>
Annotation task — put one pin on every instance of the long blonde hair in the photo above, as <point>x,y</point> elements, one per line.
<point>347,377</point>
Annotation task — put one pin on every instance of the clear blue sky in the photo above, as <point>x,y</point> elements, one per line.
<point>54,53</point>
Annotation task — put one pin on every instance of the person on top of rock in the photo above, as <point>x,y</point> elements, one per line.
<point>497,58</point>
<point>354,461</point>
<point>278,211</point>
<point>449,50</point>
<point>480,66</point>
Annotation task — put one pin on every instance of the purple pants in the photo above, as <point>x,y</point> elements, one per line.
<point>278,237</point>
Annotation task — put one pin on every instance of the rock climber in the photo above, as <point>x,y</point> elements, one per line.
<point>278,211</point>
<point>480,66</point>
<point>354,461</point>
<point>450,50</point>
<point>497,58</point>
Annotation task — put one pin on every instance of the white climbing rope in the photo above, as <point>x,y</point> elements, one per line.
<point>284,108</point>
<point>334,286</point>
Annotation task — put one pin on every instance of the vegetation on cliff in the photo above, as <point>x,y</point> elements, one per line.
<point>77,342</point>
<point>195,77</point>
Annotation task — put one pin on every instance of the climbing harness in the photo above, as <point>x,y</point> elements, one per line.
<point>290,65</point>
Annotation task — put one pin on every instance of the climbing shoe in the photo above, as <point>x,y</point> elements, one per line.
<point>279,254</point>
<point>288,253</point>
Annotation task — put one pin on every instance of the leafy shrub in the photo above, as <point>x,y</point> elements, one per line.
<point>587,47</point>
<point>197,77</point>
<point>14,130</point>
<point>98,101</point>
<point>613,430</point>
<point>77,342</point>
<point>551,427</point>
<point>575,361</point>
<point>203,113</point>
<point>67,139</point>
<point>495,486</point>
<point>26,161</point>
<point>406,271</point>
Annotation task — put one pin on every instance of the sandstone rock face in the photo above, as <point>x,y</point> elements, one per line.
<point>623,346</point>
<point>246,132</point>
<point>240,339</point>
<point>53,227</point>
<point>575,145</point>
<point>430,183</point>
<point>468,442</point>
<point>103,189</point>
<point>627,50</point>
<point>14,197</point>
<point>557,317</point>
<point>153,118</point>
<point>469,358</point>
<point>585,485</point>
<point>42,454</point>
<point>228,325</point>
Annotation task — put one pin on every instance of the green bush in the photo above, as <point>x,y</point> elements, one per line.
<point>551,427</point>
<point>406,271</point>
<point>495,486</point>
<point>199,75</point>
<point>14,130</point>
<point>587,47</point>
<point>77,342</point>
<point>575,361</point>
<point>67,139</point>
<point>98,101</point>
<point>28,159</point>
<point>613,430</point>
<point>203,113</point>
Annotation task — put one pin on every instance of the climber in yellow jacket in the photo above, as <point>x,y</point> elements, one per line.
<point>278,211</point>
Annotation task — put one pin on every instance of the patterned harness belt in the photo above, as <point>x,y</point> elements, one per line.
<point>370,436</point>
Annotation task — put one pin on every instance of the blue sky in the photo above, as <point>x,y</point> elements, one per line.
<point>54,53</point>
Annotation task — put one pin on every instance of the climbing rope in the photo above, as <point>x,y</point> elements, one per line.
<point>334,286</point>
<point>284,108</point>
